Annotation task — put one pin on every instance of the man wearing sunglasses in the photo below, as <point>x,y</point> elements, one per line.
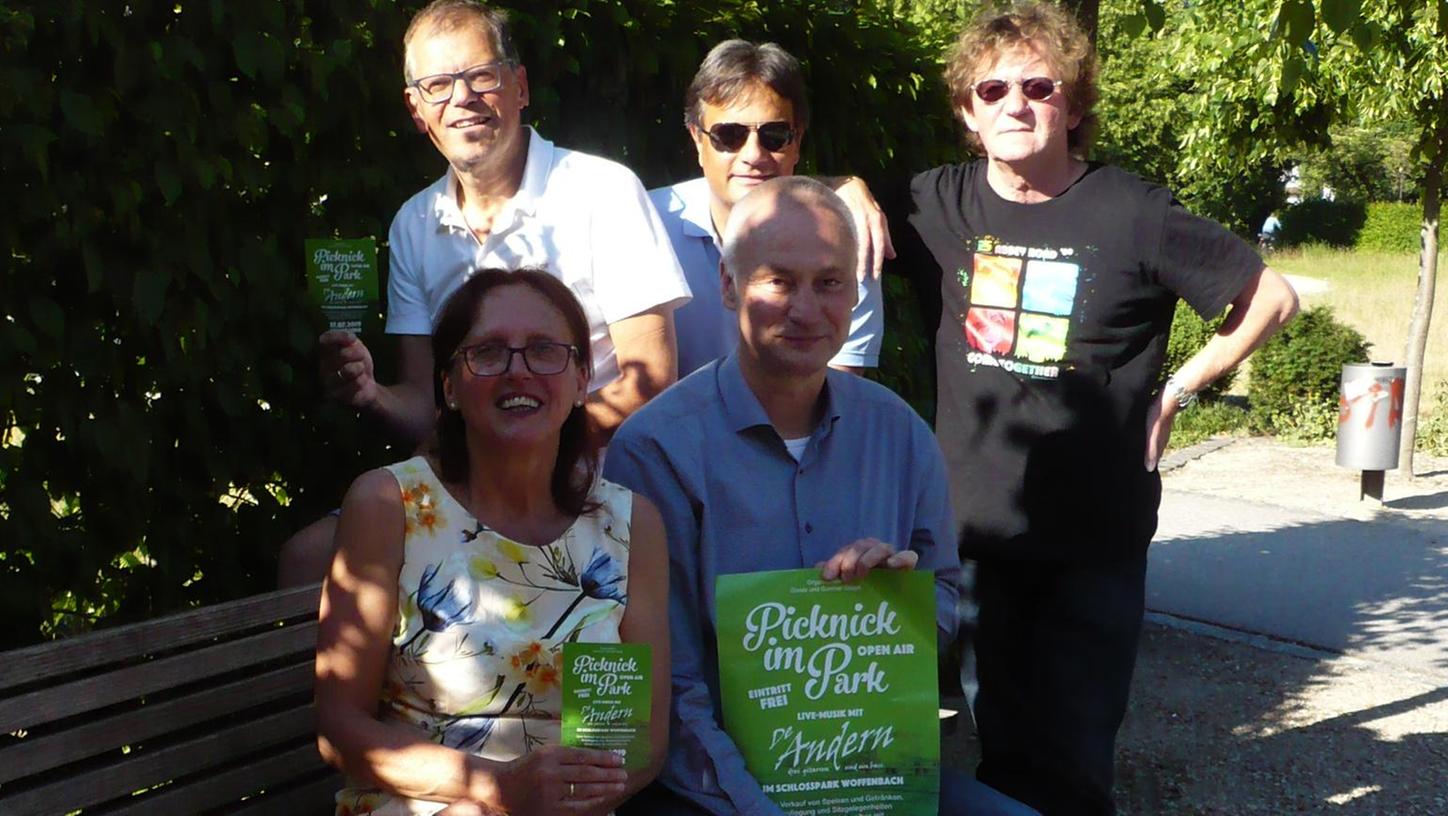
<point>746,112</point>
<point>1058,280</point>
<point>509,199</point>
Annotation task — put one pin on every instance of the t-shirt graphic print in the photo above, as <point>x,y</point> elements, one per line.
<point>1020,301</point>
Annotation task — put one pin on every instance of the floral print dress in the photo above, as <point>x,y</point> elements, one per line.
<point>482,620</point>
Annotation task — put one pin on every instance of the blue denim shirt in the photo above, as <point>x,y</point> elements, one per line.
<point>705,329</point>
<point>734,500</point>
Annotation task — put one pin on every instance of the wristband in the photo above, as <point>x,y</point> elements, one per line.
<point>1178,393</point>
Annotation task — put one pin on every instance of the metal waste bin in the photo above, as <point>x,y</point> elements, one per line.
<point>1370,421</point>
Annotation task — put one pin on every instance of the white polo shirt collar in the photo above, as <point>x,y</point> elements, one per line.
<point>525,202</point>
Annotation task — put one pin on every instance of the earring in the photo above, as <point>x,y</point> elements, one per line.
<point>452,406</point>
<point>578,403</point>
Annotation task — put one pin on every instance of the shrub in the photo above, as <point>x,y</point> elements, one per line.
<point>1433,428</point>
<point>1391,227</point>
<point>1294,379</point>
<point>1319,221</point>
<point>1310,422</point>
<point>1189,332</point>
<point>1206,420</point>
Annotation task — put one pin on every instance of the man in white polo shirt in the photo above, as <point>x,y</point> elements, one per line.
<point>508,199</point>
<point>746,111</point>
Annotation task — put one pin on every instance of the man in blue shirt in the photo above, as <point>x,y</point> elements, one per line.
<point>746,111</point>
<point>767,459</point>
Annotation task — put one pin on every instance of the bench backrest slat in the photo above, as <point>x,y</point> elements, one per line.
<point>154,767</point>
<point>38,754</point>
<point>208,710</point>
<point>68,699</point>
<point>189,798</point>
<point>128,642</point>
<point>314,797</point>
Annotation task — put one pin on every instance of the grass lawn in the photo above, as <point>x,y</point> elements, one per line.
<point>1373,292</point>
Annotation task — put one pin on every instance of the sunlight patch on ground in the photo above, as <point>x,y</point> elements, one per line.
<point>1417,705</point>
<point>1355,793</point>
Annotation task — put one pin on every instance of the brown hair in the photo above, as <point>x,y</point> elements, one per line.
<point>1055,34</point>
<point>442,16</point>
<point>577,463</point>
<point>733,67</point>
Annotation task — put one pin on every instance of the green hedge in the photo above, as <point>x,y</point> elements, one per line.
<point>1391,227</point>
<point>1295,376</point>
<point>1320,221</point>
<point>161,428</point>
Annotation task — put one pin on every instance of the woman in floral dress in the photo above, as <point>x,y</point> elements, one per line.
<point>460,574</point>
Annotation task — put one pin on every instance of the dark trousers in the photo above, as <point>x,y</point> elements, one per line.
<point>1055,648</point>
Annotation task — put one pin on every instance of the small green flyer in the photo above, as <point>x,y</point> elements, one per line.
<point>606,699</point>
<point>829,689</point>
<point>342,279</point>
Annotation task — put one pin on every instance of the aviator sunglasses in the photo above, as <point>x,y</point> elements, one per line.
<point>729,137</point>
<point>1036,89</point>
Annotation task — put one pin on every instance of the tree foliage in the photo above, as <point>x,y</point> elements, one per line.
<point>161,428</point>
<point>1148,114</point>
<point>1325,80</point>
<point>1366,162</point>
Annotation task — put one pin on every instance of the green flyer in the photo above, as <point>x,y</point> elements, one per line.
<point>829,689</point>
<point>607,699</point>
<point>342,279</point>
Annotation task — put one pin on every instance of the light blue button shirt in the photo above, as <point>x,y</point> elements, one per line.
<point>734,500</point>
<point>705,329</point>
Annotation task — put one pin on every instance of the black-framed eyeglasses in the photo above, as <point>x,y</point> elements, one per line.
<point>479,78</point>
<point>491,358</point>
<point>1036,89</point>
<point>729,137</point>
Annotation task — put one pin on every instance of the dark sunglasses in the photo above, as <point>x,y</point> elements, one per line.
<point>729,137</point>
<point>1036,89</point>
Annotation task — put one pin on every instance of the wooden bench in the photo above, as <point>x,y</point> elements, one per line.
<point>205,711</point>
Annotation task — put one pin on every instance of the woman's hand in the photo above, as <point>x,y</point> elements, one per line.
<point>555,779</point>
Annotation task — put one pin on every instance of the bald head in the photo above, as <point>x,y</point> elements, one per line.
<point>786,209</point>
<point>789,276</point>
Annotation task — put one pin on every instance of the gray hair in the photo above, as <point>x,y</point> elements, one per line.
<point>443,16</point>
<point>801,191</point>
<point>732,67</point>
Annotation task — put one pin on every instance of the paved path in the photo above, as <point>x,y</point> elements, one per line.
<point>1268,539</point>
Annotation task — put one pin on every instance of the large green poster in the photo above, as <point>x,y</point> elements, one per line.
<point>830,689</point>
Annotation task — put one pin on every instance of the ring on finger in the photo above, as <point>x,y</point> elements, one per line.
<point>341,375</point>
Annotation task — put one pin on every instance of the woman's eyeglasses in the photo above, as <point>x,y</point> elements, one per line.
<point>1036,89</point>
<point>491,359</point>
<point>729,137</point>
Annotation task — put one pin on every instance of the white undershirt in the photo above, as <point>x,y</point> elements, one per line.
<point>796,447</point>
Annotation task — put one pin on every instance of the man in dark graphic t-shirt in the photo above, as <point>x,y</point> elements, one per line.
<point>1057,282</point>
